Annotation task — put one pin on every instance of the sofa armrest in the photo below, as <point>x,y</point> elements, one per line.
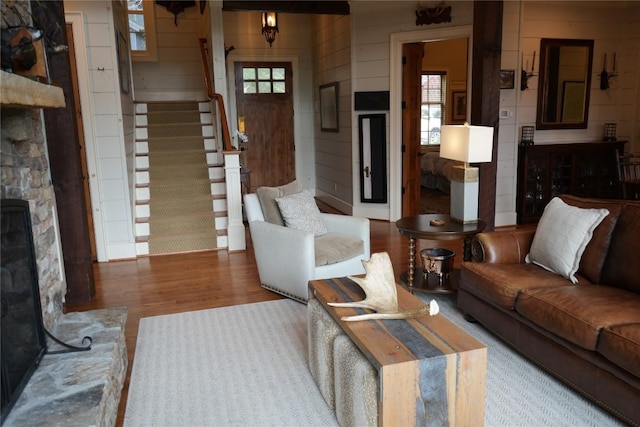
<point>502,247</point>
<point>350,226</point>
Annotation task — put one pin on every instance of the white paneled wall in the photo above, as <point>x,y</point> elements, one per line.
<point>609,24</point>
<point>110,125</point>
<point>334,156</point>
<point>178,73</point>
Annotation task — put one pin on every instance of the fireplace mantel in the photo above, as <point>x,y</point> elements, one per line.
<point>18,91</point>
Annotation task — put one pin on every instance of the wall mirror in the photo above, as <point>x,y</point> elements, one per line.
<point>564,83</point>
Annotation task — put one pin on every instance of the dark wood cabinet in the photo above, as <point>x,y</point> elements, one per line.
<point>582,169</point>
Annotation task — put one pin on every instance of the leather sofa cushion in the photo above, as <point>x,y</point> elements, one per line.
<point>621,345</point>
<point>578,313</point>
<point>501,283</point>
<point>592,257</point>
<point>621,266</point>
<point>335,247</point>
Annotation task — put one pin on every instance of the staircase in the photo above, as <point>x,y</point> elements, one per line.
<point>180,184</point>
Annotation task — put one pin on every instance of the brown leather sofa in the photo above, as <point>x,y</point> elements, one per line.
<point>586,334</point>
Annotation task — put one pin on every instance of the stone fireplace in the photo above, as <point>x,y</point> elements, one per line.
<point>78,388</point>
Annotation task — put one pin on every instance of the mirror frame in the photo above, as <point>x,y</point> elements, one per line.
<point>545,44</point>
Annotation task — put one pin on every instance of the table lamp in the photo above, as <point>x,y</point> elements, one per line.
<point>467,144</point>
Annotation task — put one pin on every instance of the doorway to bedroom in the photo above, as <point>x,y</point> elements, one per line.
<point>443,92</point>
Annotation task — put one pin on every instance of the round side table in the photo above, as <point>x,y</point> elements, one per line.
<point>434,227</point>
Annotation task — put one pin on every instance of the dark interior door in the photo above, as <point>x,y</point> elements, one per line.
<point>264,101</point>
<point>411,71</point>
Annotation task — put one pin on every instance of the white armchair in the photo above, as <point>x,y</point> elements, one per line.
<point>286,257</point>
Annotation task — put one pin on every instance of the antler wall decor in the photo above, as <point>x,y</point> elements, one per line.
<point>433,15</point>
<point>381,295</point>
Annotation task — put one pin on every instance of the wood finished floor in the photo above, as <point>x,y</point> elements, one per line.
<point>196,281</point>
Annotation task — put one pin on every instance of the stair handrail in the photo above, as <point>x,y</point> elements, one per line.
<point>226,136</point>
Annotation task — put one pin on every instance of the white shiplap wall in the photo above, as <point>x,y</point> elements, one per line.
<point>334,151</point>
<point>610,25</point>
<point>178,74</point>
<point>110,145</point>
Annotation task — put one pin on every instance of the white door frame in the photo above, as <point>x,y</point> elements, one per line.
<point>395,95</point>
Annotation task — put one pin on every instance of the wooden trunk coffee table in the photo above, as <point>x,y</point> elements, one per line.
<point>422,227</point>
<point>430,372</point>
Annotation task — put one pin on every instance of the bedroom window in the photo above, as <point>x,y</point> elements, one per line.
<point>142,30</point>
<point>433,90</point>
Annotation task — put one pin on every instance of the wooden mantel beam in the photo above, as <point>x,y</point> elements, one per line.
<point>326,7</point>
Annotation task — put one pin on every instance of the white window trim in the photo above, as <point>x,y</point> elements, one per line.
<point>151,54</point>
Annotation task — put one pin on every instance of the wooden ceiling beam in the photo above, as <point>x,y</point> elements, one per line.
<point>326,7</point>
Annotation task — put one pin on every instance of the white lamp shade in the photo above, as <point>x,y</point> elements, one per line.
<point>466,143</point>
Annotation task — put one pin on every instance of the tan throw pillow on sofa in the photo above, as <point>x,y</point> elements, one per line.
<point>268,196</point>
<point>301,212</point>
<point>562,235</point>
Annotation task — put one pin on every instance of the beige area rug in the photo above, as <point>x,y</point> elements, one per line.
<point>181,207</point>
<point>246,365</point>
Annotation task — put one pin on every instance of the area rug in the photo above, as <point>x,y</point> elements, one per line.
<point>247,366</point>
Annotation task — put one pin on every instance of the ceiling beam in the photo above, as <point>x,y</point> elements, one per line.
<point>331,7</point>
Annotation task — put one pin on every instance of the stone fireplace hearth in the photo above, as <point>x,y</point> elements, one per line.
<point>80,388</point>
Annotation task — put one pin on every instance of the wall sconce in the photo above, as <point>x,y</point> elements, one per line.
<point>269,26</point>
<point>467,144</point>
<point>524,75</point>
<point>604,75</point>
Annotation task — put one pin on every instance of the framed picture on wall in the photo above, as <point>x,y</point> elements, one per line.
<point>329,107</point>
<point>458,107</point>
<point>507,79</point>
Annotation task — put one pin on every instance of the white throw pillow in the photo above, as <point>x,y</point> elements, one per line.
<point>562,236</point>
<point>300,211</point>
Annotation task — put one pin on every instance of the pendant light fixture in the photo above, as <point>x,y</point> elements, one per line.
<point>270,26</point>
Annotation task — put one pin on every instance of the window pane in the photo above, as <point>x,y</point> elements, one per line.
<point>248,73</point>
<point>278,87</point>
<point>264,73</point>
<point>134,4</point>
<point>136,23</point>
<point>278,73</point>
<point>138,41</point>
<point>264,87</point>
<point>249,87</point>
<point>433,102</point>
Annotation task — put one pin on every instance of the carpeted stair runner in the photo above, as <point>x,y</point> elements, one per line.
<point>181,210</point>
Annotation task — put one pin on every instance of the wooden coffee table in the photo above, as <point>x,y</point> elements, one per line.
<point>421,227</point>
<point>428,368</point>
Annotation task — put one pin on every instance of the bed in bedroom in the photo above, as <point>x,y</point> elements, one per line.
<point>436,172</point>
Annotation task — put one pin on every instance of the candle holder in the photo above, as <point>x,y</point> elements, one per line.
<point>610,132</point>
<point>526,135</point>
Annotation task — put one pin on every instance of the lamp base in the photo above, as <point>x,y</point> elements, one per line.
<point>464,194</point>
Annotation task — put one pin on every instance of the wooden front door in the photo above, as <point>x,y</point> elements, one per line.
<point>264,102</point>
<point>411,99</point>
